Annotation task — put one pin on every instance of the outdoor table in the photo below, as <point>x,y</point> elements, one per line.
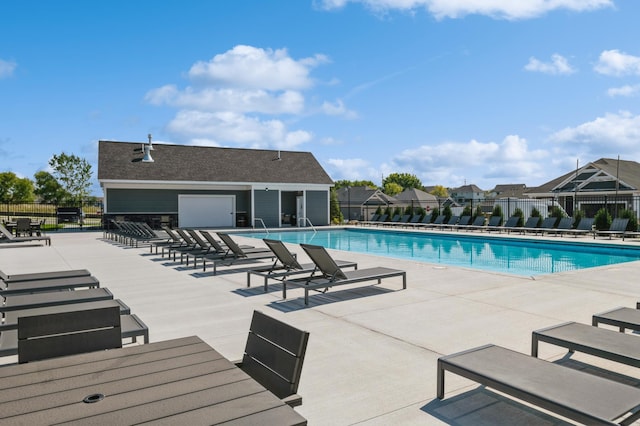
<point>180,381</point>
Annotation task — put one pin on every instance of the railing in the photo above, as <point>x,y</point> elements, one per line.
<point>306,220</point>
<point>262,222</point>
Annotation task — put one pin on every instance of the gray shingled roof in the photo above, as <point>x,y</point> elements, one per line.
<point>629,172</point>
<point>121,161</point>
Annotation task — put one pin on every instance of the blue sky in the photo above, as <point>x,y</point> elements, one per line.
<point>467,91</point>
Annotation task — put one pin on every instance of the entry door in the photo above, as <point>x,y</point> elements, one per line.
<point>206,211</point>
<point>300,215</point>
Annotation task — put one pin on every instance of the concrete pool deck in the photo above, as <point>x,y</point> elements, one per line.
<point>372,352</point>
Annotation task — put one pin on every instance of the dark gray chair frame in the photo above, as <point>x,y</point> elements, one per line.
<point>578,395</point>
<point>10,238</point>
<point>14,278</point>
<point>274,355</point>
<point>331,274</point>
<point>286,265</point>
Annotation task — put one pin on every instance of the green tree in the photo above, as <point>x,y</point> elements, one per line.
<point>14,189</point>
<point>392,188</point>
<point>439,191</point>
<point>467,211</point>
<point>353,183</point>
<point>434,214</point>
<point>334,207</point>
<point>536,213</point>
<point>73,173</point>
<point>49,189</point>
<point>447,213</point>
<point>577,217</point>
<point>478,212</point>
<point>602,220</point>
<point>405,180</point>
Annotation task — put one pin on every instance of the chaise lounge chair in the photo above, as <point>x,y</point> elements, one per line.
<point>618,227</point>
<point>14,278</point>
<point>600,342</point>
<point>584,227</point>
<point>15,302</point>
<point>531,225</point>
<point>623,318</point>
<point>7,237</point>
<point>583,397</point>
<point>236,255</point>
<point>331,274</point>
<point>54,284</point>
<point>286,265</point>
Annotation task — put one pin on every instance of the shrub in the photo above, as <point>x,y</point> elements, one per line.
<point>447,213</point>
<point>602,220</point>
<point>388,212</point>
<point>379,210</point>
<point>408,210</point>
<point>435,213</point>
<point>479,212</point>
<point>467,211</point>
<point>536,213</point>
<point>497,211</point>
<point>520,214</point>
<point>577,217</point>
<point>556,212</point>
<point>397,211</point>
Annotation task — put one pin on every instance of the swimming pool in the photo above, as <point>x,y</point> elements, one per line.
<point>508,255</point>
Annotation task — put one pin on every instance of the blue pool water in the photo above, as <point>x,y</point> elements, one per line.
<point>508,255</point>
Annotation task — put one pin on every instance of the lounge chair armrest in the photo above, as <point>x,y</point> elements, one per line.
<point>293,400</point>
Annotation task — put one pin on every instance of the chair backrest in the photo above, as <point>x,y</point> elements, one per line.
<point>383,218</point>
<point>66,333</point>
<point>171,233</point>
<point>198,239</point>
<point>585,224</point>
<point>512,222</point>
<point>274,354</point>
<point>453,220</point>
<point>323,261</point>
<point>405,218</point>
<point>415,218</point>
<point>23,224</point>
<point>532,222</point>
<point>395,218</point>
<point>186,237</point>
<point>374,217</point>
<point>439,220</point>
<point>495,221</point>
<point>478,221</point>
<point>565,223</point>
<point>549,223</point>
<point>282,253</point>
<point>235,248</point>
<point>619,224</point>
<point>464,220</point>
<point>215,244</point>
<point>426,218</point>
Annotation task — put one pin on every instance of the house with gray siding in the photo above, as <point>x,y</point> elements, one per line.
<point>212,187</point>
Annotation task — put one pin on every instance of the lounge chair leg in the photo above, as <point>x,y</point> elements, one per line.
<point>440,379</point>
<point>284,290</point>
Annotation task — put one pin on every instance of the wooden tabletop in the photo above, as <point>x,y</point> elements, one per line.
<point>180,381</point>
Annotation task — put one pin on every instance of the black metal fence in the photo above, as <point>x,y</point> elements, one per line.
<point>586,205</point>
<point>56,217</point>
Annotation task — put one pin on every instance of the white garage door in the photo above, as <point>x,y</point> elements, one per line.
<point>206,211</point>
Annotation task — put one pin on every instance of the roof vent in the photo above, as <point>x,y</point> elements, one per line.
<point>147,148</point>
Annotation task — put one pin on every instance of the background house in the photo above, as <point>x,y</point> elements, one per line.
<point>361,202</point>
<point>605,183</point>
<point>211,187</point>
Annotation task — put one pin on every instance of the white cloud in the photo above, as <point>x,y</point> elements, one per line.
<point>338,108</point>
<point>218,127</point>
<point>237,97</point>
<point>609,135</point>
<point>249,67</point>
<point>352,169</point>
<point>627,90</point>
<point>558,65</point>
<point>502,9</point>
<point>616,63</point>
<point>7,68</point>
